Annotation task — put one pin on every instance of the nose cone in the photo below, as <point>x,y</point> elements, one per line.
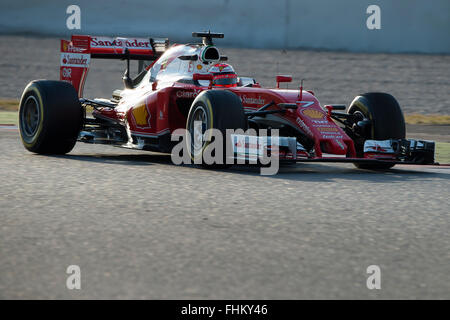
<point>334,146</point>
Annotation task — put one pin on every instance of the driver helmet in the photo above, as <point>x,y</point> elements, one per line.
<point>223,75</point>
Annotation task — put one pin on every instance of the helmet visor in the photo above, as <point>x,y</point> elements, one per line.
<point>225,80</point>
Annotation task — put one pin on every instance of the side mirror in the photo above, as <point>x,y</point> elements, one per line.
<point>203,76</point>
<point>283,78</point>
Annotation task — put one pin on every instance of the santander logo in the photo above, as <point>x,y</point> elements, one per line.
<point>75,59</point>
<point>105,42</point>
<point>252,100</point>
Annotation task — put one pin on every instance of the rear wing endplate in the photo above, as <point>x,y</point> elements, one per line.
<point>77,53</point>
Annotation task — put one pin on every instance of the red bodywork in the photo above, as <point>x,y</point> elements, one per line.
<point>157,107</point>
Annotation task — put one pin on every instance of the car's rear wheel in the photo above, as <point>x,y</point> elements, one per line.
<point>50,117</point>
<point>213,109</point>
<point>386,122</point>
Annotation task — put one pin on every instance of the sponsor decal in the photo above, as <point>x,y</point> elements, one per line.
<point>331,137</point>
<point>66,72</point>
<point>187,94</point>
<point>304,127</point>
<point>313,114</point>
<point>75,76</point>
<point>66,46</point>
<point>74,63</point>
<point>319,121</point>
<point>328,129</point>
<point>249,100</point>
<point>69,59</point>
<point>141,116</point>
<point>106,42</point>
<point>199,67</point>
<point>340,144</point>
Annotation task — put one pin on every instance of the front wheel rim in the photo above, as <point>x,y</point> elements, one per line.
<point>197,131</point>
<point>30,117</point>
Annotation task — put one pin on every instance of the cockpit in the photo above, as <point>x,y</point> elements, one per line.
<point>181,62</point>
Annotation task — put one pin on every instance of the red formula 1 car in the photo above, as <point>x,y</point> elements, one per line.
<point>185,85</point>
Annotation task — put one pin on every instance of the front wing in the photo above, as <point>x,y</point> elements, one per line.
<point>397,151</point>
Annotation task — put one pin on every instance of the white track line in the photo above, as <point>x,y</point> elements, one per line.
<point>9,126</point>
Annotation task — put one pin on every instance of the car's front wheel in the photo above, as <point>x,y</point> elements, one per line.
<point>386,122</point>
<point>213,109</point>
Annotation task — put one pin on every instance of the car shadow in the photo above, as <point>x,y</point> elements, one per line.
<point>312,172</point>
<point>331,172</point>
<point>120,159</point>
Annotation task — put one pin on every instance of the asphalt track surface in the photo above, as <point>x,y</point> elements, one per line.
<point>140,227</point>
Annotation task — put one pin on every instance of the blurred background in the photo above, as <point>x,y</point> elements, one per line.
<point>406,25</point>
<point>325,42</point>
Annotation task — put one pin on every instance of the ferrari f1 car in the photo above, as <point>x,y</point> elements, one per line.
<point>192,83</point>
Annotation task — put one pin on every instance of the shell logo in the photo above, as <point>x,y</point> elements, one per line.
<point>313,114</point>
<point>141,116</point>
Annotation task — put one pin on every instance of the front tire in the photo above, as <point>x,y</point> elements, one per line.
<point>387,122</point>
<point>50,117</point>
<point>214,109</point>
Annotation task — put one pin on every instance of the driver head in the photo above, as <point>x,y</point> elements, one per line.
<point>223,75</point>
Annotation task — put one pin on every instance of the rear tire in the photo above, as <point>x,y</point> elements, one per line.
<point>387,121</point>
<point>217,109</point>
<point>50,117</point>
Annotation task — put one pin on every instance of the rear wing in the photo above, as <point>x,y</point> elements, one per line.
<point>76,54</point>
